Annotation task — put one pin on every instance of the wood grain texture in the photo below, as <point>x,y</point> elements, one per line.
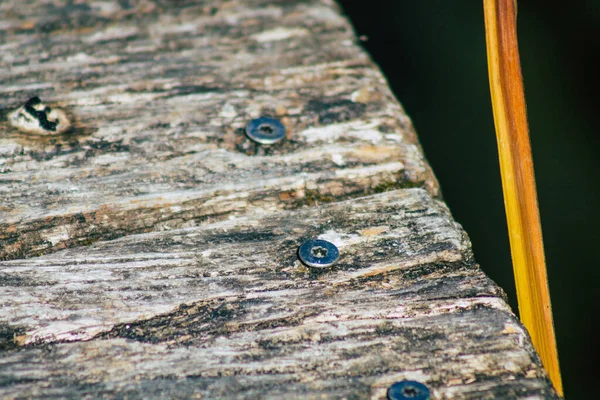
<point>230,299</point>
<point>150,250</point>
<point>159,95</point>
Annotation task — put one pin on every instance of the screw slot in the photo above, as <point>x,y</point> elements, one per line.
<point>41,116</point>
<point>265,130</point>
<point>318,253</point>
<point>408,390</point>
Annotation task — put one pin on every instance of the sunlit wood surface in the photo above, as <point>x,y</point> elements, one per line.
<point>150,250</point>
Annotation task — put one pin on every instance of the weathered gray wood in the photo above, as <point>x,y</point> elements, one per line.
<point>405,300</point>
<point>141,276</point>
<point>149,249</point>
<point>159,96</point>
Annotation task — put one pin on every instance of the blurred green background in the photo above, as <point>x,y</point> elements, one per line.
<point>433,54</point>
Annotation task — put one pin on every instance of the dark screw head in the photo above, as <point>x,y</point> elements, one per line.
<point>265,130</point>
<point>405,390</point>
<point>318,253</point>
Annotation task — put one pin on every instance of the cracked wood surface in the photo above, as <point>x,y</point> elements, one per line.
<point>229,306</point>
<point>159,95</point>
<point>150,249</point>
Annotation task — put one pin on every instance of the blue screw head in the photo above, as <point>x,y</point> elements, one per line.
<point>265,130</point>
<point>408,390</point>
<point>318,253</point>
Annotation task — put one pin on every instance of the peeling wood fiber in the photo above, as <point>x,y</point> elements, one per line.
<point>149,249</point>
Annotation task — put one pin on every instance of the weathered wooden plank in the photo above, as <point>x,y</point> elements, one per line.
<point>74,295</point>
<point>149,248</point>
<point>159,96</point>
<point>230,299</point>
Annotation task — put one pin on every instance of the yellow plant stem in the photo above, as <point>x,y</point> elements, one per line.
<point>518,182</point>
